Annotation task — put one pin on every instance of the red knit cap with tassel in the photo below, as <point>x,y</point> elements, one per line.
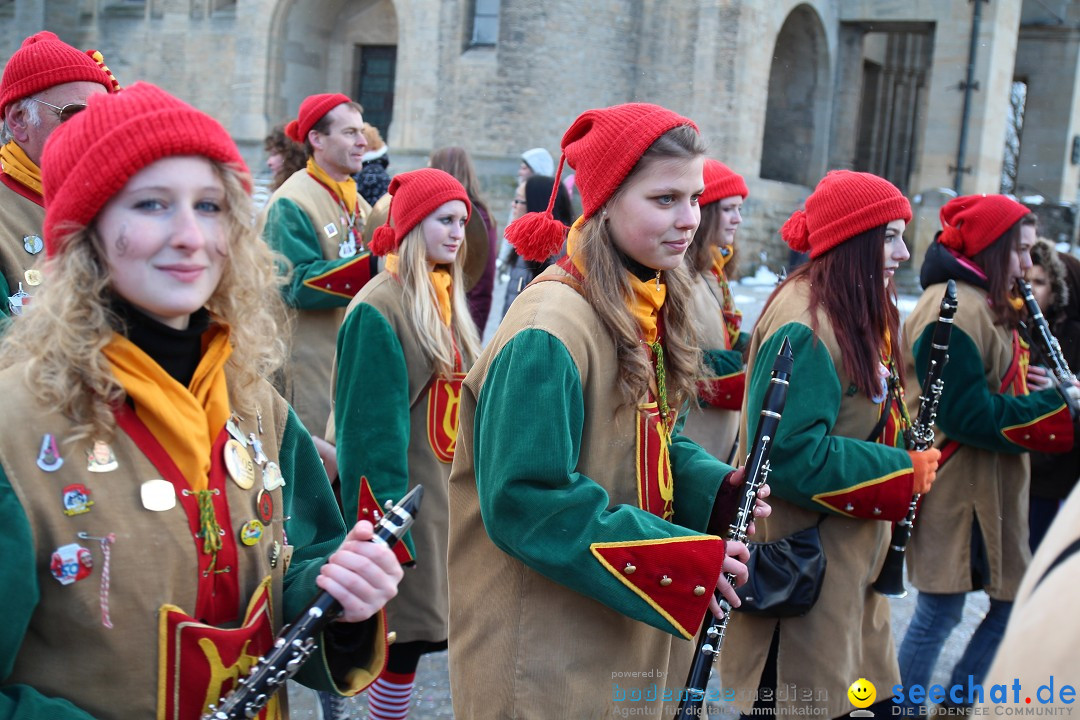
<point>413,196</point>
<point>312,110</point>
<point>602,146</point>
<point>843,205</point>
<point>971,223</point>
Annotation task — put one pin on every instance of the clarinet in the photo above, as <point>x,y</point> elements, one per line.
<point>757,472</point>
<point>296,643</point>
<point>890,581</point>
<point>1048,344</point>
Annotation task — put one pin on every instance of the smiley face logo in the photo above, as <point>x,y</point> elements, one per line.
<point>862,693</point>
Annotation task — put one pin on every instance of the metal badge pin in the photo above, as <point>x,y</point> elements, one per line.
<point>257,446</point>
<point>70,563</point>
<point>272,478</point>
<point>239,465</point>
<point>157,495</point>
<point>251,533</point>
<point>233,428</point>
<point>264,505</point>
<point>100,458</point>
<point>33,277</point>
<point>76,499</point>
<point>18,301</point>
<point>32,244</point>
<point>49,458</point>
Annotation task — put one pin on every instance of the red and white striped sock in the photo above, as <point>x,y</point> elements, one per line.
<point>390,696</point>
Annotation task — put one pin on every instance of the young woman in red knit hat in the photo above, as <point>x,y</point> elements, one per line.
<point>840,460</point>
<point>710,261</point>
<point>164,510</point>
<point>580,570</point>
<point>404,347</point>
<point>972,532</point>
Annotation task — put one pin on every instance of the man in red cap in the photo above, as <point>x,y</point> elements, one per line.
<point>45,82</point>
<point>315,219</point>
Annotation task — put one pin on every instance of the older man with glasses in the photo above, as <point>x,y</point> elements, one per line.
<point>45,82</point>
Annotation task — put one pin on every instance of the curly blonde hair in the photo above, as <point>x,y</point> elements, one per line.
<point>436,339</point>
<point>70,374</point>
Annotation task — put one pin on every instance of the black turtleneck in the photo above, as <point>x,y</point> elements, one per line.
<point>178,352</point>
<point>641,272</point>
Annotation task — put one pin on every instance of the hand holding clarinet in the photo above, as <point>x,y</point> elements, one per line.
<point>357,581</point>
<point>1065,379</point>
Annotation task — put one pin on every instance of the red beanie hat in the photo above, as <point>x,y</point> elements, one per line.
<point>971,223</point>
<point>92,156</point>
<point>312,111</point>
<point>413,196</point>
<point>721,182</point>
<point>602,146</point>
<point>844,204</point>
<point>43,61</point>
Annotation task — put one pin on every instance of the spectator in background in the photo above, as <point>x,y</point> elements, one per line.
<point>373,180</point>
<point>532,196</point>
<point>1055,283</point>
<point>284,156</point>
<point>456,161</point>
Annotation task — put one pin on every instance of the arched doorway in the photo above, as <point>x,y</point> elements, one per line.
<point>796,127</point>
<point>347,46</point>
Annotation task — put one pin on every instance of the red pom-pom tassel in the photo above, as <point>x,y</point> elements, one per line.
<point>536,236</point>
<point>383,240</point>
<point>292,131</point>
<point>796,233</point>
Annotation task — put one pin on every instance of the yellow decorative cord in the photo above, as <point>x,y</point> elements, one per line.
<point>208,525</point>
<point>661,381</point>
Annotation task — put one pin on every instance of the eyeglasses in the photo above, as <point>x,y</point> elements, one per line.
<point>64,113</point>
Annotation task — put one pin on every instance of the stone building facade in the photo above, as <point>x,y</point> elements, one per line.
<point>915,90</point>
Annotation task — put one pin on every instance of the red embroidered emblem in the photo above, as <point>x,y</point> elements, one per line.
<point>444,397</point>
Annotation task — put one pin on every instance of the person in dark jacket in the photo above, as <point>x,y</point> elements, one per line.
<point>1055,283</point>
<point>373,180</point>
<point>532,196</point>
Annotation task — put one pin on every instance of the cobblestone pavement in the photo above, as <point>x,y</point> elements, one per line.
<point>432,696</point>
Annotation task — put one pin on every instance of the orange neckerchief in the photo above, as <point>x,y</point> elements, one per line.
<point>1016,302</point>
<point>441,281</point>
<point>648,295</point>
<point>185,420</point>
<point>732,316</point>
<point>13,162</point>
<point>345,191</point>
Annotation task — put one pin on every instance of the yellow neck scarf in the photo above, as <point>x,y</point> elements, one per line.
<point>1017,303</point>
<point>441,280</point>
<point>13,162</point>
<point>345,191</point>
<point>732,315</point>
<point>185,420</point>
<point>648,295</point>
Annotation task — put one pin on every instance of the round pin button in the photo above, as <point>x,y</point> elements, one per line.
<point>157,495</point>
<point>265,504</point>
<point>251,533</point>
<point>239,465</point>
<point>32,277</point>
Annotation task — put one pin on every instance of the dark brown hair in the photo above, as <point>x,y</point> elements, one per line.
<point>292,153</point>
<point>994,261</point>
<point>846,284</point>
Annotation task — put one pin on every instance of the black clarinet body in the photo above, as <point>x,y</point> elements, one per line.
<point>757,472</point>
<point>890,581</point>
<point>296,643</point>
<point>1049,345</point>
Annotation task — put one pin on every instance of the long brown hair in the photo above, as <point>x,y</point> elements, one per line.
<point>608,290</point>
<point>699,257</point>
<point>994,261</point>
<point>846,285</point>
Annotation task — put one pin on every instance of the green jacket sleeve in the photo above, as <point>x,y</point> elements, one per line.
<point>812,467</point>
<point>315,530</point>
<point>371,411</point>
<point>289,231</point>
<point>20,598</point>
<point>970,413</point>
<point>538,508</point>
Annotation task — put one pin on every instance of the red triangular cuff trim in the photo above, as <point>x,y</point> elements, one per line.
<point>20,189</point>
<point>884,498</point>
<point>689,562</point>
<point>1051,433</point>
<point>344,280</point>
<point>724,392</point>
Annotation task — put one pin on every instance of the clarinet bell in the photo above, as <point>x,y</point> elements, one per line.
<point>890,581</point>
